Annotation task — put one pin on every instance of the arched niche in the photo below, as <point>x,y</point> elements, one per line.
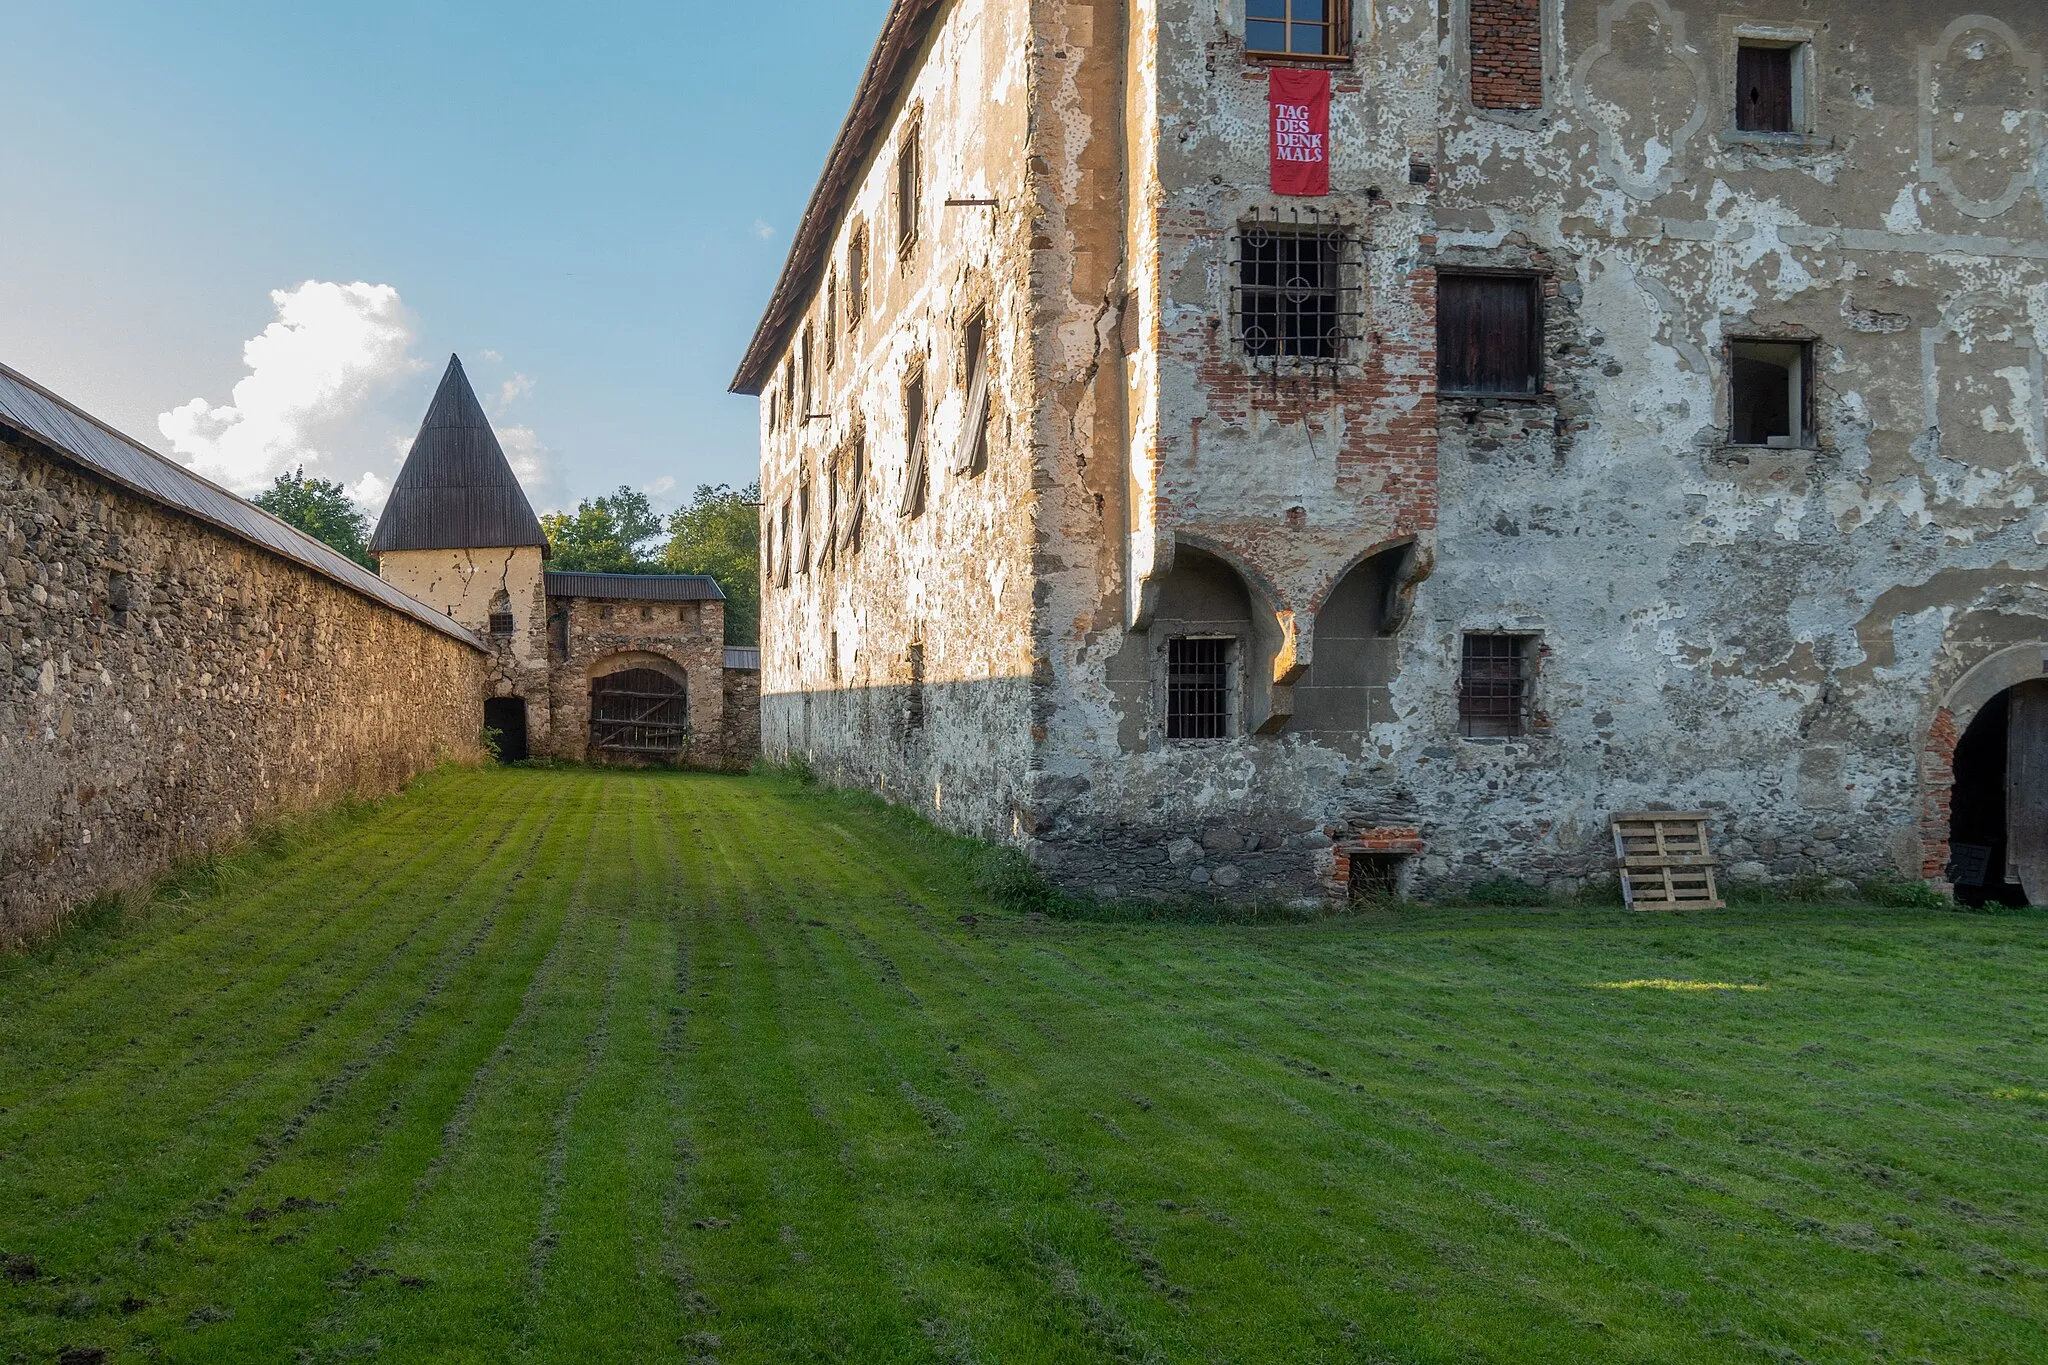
<point>1344,692</point>
<point>1209,644</point>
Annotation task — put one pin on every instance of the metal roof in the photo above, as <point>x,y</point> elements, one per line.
<point>457,491</point>
<point>890,68</point>
<point>747,659</point>
<point>635,587</point>
<point>78,437</point>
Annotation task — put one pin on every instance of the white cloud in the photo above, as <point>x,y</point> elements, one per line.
<point>494,357</point>
<point>514,389</point>
<point>764,229</point>
<point>370,491</point>
<point>331,349</point>
<point>534,463</point>
<point>659,486</point>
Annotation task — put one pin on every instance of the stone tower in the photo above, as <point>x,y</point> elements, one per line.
<point>459,535</point>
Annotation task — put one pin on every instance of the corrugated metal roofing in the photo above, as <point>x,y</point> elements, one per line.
<point>748,660</point>
<point>457,491</point>
<point>33,411</point>
<point>635,587</point>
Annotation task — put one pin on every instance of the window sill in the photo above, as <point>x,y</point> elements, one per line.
<point>1547,398</point>
<point>1737,448</point>
<point>1783,144</point>
<point>1269,59</point>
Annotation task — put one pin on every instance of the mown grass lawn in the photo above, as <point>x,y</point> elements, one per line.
<point>561,1066</point>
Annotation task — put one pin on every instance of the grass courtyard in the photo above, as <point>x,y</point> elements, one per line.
<point>563,1066</point>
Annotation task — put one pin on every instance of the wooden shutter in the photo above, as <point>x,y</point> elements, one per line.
<point>970,452</point>
<point>2026,790</point>
<point>1763,89</point>
<point>1488,334</point>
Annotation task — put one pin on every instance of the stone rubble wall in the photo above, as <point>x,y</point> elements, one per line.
<point>165,687</point>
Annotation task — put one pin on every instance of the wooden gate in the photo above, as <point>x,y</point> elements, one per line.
<point>2026,790</point>
<point>639,713</point>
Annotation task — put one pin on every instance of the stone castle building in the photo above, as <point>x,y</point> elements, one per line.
<point>598,667</point>
<point>1276,446</point>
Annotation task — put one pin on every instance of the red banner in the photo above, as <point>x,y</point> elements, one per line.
<point>1298,112</point>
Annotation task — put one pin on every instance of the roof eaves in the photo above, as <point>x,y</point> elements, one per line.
<point>889,68</point>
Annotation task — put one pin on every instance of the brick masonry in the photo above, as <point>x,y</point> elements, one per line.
<point>1507,54</point>
<point>164,687</point>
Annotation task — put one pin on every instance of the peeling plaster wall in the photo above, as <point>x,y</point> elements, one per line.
<point>463,584</point>
<point>1766,634</point>
<point>857,593</point>
<point>1293,479</point>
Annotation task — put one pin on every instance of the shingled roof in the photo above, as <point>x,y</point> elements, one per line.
<point>457,491</point>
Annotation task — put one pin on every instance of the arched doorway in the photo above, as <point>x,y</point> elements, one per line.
<point>1998,806</point>
<point>639,715</point>
<point>507,716</point>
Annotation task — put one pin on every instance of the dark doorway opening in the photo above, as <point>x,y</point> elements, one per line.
<point>507,715</point>
<point>638,715</point>
<point>1978,845</point>
<point>1375,878</point>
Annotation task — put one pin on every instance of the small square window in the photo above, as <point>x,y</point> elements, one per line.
<point>1295,28</point>
<point>1489,334</point>
<point>1769,388</point>
<point>1493,685</point>
<point>1198,687</point>
<point>1765,88</point>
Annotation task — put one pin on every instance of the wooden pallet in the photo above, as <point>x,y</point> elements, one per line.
<point>1665,862</point>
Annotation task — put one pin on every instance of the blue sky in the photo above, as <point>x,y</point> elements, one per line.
<point>588,202</point>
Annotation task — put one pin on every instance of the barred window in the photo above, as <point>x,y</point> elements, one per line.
<point>1297,294</point>
<point>1198,687</point>
<point>1493,685</point>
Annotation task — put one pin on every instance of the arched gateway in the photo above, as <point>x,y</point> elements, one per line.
<point>639,713</point>
<point>1985,824</point>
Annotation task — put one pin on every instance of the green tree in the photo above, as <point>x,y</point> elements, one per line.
<point>323,510</point>
<point>719,533</point>
<point>605,535</point>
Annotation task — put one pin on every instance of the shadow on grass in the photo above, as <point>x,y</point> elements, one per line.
<point>93,928</point>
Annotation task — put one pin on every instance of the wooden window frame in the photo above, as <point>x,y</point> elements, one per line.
<point>831,318</point>
<point>917,477</point>
<point>858,265</point>
<point>1805,409</point>
<point>1337,33</point>
<point>970,451</point>
<point>1537,285</point>
<point>1794,55</point>
<point>909,187</point>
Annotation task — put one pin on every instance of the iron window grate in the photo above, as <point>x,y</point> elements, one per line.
<point>1297,297</point>
<point>1493,686</point>
<point>1198,689</point>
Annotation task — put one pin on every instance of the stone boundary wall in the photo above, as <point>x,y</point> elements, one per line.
<point>164,686</point>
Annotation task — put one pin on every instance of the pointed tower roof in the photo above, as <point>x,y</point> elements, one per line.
<point>457,491</point>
